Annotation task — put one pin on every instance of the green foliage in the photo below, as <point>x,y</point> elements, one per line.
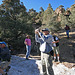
<point>15,25</point>
<point>50,20</point>
<point>32,14</point>
<point>72,16</point>
<point>47,14</point>
<point>64,20</point>
<point>53,25</point>
<point>42,10</point>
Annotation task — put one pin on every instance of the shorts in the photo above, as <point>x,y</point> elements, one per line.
<point>56,50</point>
<point>4,64</point>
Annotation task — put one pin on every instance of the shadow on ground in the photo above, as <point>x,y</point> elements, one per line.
<point>67,47</point>
<point>23,66</point>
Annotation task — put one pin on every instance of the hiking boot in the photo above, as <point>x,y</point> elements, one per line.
<point>27,59</point>
<point>30,57</point>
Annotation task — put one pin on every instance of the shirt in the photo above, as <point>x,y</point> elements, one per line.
<point>28,42</point>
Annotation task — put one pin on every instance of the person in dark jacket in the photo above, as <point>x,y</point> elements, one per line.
<point>67,28</point>
<point>4,58</point>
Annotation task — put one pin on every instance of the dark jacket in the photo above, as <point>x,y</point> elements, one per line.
<point>5,54</point>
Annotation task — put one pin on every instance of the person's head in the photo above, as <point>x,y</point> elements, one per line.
<point>45,31</point>
<point>3,44</point>
<point>27,36</point>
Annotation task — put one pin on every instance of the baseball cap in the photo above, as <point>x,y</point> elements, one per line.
<point>46,29</point>
<point>3,43</point>
<point>0,42</point>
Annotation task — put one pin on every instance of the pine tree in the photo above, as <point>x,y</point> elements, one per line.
<point>47,14</point>
<point>72,16</point>
<point>15,23</point>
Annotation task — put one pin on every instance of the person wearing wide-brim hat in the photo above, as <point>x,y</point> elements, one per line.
<point>45,41</point>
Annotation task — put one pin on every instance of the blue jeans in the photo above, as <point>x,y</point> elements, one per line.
<point>28,48</point>
<point>67,32</point>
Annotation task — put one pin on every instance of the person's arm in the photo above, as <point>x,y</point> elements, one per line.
<point>44,38</point>
<point>37,39</point>
<point>57,40</point>
<point>25,42</point>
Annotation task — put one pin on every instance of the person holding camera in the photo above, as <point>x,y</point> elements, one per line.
<point>45,40</point>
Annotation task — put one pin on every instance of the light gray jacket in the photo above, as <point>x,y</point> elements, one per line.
<point>45,42</point>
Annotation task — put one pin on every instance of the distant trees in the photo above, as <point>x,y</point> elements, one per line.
<point>33,14</point>
<point>50,19</point>
<point>47,14</point>
<point>72,16</point>
<point>15,23</point>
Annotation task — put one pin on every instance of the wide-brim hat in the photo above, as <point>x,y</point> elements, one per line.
<point>0,42</point>
<point>45,29</point>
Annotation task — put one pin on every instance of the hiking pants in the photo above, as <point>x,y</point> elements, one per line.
<point>56,50</point>
<point>28,48</point>
<point>67,33</point>
<point>46,64</point>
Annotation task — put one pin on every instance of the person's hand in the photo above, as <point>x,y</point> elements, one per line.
<point>36,31</point>
<point>25,43</point>
<point>40,30</point>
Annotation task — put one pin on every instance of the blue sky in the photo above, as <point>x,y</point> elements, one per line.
<point>36,4</point>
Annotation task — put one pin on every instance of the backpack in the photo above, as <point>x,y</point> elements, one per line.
<point>57,44</point>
